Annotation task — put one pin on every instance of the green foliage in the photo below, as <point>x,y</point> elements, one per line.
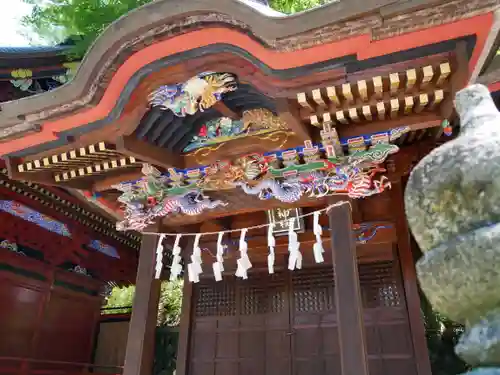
<point>442,336</point>
<point>166,340</point>
<point>167,333</point>
<point>169,307</point>
<point>82,21</point>
<point>294,6</point>
<point>120,297</point>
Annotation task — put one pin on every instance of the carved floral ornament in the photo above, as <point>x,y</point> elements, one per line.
<point>312,171</point>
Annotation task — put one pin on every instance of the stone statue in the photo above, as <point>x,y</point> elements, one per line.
<point>452,204</point>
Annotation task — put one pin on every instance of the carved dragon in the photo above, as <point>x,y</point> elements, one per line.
<point>283,191</point>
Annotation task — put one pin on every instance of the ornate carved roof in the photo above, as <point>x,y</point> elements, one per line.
<point>182,87</point>
<point>159,20</point>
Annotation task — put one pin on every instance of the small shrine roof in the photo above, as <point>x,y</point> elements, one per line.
<point>30,51</point>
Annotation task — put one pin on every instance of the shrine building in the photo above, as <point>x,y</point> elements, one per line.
<point>258,156</point>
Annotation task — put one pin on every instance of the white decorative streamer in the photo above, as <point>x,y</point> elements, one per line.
<point>271,242</point>
<point>194,268</point>
<point>243,262</point>
<point>326,209</point>
<point>159,257</point>
<point>218,265</point>
<point>176,268</point>
<point>318,249</point>
<point>295,257</point>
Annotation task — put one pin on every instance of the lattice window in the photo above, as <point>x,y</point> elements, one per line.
<point>215,299</point>
<point>313,290</point>
<point>263,294</point>
<point>379,284</point>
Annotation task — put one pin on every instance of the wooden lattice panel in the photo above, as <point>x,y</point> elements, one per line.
<point>82,162</point>
<point>382,97</point>
<point>215,299</point>
<point>380,286</point>
<point>313,290</point>
<point>257,297</point>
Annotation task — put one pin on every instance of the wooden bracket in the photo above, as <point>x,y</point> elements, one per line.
<point>291,115</point>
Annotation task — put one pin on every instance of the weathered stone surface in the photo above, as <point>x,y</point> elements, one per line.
<point>456,188</point>
<point>457,276</point>
<point>480,344</point>
<point>453,208</point>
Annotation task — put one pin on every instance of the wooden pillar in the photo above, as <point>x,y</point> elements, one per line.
<point>408,271</point>
<point>184,328</point>
<point>139,354</point>
<point>353,355</point>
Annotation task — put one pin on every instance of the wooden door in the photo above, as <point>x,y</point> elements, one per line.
<point>387,329</point>
<point>315,342</point>
<point>286,323</point>
<point>241,327</point>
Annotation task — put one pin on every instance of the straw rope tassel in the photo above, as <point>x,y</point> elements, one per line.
<point>218,266</point>
<point>243,262</point>
<point>194,268</point>
<point>318,249</point>
<point>271,242</point>
<point>176,268</point>
<point>159,257</point>
<point>295,257</point>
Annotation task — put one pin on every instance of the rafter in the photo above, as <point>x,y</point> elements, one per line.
<point>149,153</point>
<point>42,177</point>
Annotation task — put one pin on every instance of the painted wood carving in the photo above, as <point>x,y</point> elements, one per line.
<point>34,217</point>
<point>11,246</point>
<point>314,170</point>
<point>253,122</point>
<point>197,94</point>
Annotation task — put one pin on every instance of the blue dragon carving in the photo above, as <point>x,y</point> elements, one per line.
<point>138,216</point>
<point>287,192</point>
